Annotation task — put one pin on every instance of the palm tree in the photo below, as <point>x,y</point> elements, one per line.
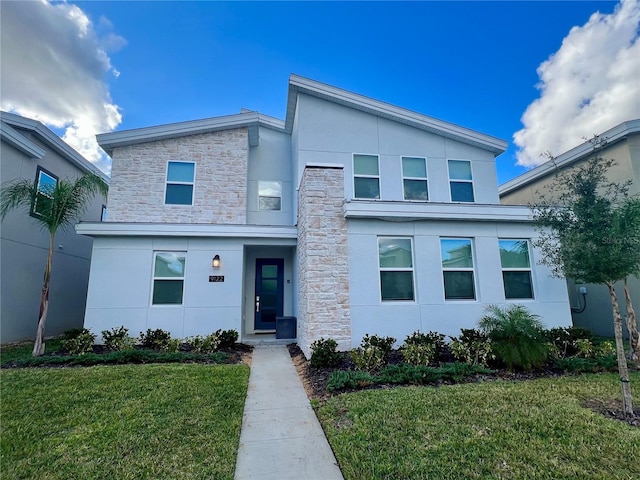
<point>52,206</point>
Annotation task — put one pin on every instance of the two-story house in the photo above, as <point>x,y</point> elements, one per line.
<point>29,150</point>
<point>353,215</point>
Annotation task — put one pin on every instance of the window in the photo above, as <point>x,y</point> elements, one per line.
<point>168,278</point>
<point>457,268</point>
<point>45,183</point>
<point>414,178</point>
<point>103,216</point>
<point>516,269</point>
<point>270,196</point>
<point>366,176</point>
<point>180,179</point>
<point>460,181</point>
<point>396,268</point>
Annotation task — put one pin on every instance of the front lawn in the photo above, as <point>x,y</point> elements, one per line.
<point>125,422</point>
<point>512,430</point>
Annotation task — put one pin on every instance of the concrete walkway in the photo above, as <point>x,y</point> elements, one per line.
<point>281,437</point>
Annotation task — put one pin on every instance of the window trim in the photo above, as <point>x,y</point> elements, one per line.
<point>471,269</point>
<point>279,182</point>
<point>397,269</point>
<point>154,278</point>
<point>192,183</point>
<point>357,175</point>
<point>473,190</point>
<point>517,269</point>
<point>425,179</point>
<point>39,170</point>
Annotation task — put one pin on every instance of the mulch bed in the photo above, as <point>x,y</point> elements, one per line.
<point>315,381</point>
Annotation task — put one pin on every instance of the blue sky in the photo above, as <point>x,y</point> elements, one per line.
<point>475,64</point>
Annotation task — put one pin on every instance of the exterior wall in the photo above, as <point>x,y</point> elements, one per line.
<point>331,133</point>
<point>323,266</point>
<point>430,310</point>
<point>270,160</point>
<point>23,254</point>
<point>138,179</point>
<point>121,280</point>
<point>597,316</point>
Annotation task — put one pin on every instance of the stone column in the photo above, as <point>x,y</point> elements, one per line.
<point>323,262</point>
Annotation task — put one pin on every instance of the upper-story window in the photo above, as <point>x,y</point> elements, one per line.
<point>457,268</point>
<point>516,269</point>
<point>270,196</point>
<point>366,176</point>
<point>461,181</point>
<point>180,180</point>
<point>414,178</point>
<point>45,183</point>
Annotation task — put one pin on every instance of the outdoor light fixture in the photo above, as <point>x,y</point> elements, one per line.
<point>215,263</point>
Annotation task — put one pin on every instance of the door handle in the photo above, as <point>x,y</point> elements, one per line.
<point>257,303</point>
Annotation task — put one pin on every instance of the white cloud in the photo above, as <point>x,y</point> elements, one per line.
<point>54,69</point>
<point>591,84</point>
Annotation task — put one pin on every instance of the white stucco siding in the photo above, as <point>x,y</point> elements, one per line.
<point>121,282</point>
<point>430,310</point>
<point>328,133</point>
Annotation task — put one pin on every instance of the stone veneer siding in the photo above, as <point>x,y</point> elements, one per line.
<point>323,271</point>
<point>138,176</point>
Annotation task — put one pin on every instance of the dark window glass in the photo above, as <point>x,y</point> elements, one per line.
<point>462,192</point>
<point>367,187</point>
<point>396,285</point>
<point>517,284</point>
<point>167,292</point>
<point>179,194</point>
<point>459,286</point>
<point>415,190</point>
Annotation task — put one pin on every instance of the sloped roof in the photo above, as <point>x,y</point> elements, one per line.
<point>582,151</point>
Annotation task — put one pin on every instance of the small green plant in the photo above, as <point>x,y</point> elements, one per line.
<point>118,339</point>
<point>562,341</point>
<point>606,348</point>
<point>343,379</point>
<point>423,348</point>
<point>80,343</point>
<point>227,338</point>
<point>208,344</point>
<point>472,347</point>
<point>324,353</point>
<point>585,348</point>
<point>605,363</point>
<point>516,335</point>
<point>155,339</point>
<point>373,353</point>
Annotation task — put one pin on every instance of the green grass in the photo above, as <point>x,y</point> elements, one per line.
<point>9,353</point>
<point>127,422</point>
<point>495,430</point>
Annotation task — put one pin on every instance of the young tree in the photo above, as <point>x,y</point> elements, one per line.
<point>53,207</point>
<point>589,229</point>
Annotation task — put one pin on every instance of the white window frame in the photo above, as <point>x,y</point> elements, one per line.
<point>404,177</point>
<point>357,175</point>
<point>517,269</point>
<point>154,277</point>
<point>269,196</point>
<point>471,269</point>
<point>39,172</point>
<point>473,190</point>
<point>192,183</point>
<point>397,269</point>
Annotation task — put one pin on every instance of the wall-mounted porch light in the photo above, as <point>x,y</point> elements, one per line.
<point>215,263</point>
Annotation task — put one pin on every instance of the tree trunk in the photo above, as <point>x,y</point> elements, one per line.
<point>38,345</point>
<point>632,325</point>
<point>627,402</point>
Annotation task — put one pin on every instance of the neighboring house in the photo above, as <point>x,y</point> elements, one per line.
<point>353,215</point>
<point>622,145</point>
<point>31,151</point>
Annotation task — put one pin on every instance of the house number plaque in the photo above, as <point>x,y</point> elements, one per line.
<point>216,278</point>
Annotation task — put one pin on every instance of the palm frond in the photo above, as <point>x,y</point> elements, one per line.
<point>15,195</point>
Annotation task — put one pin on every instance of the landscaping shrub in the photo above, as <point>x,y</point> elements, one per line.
<point>562,341</point>
<point>585,348</point>
<point>207,344</point>
<point>324,354</point>
<point>118,339</point>
<point>458,371</point>
<point>342,379</point>
<point>472,347</point>
<point>156,340</point>
<point>423,348</point>
<point>80,343</point>
<point>516,335</point>
<point>606,348</point>
<point>72,333</point>
<point>405,374</point>
<point>373,353</point>
<point>604,363</point>
<point>227,338</point>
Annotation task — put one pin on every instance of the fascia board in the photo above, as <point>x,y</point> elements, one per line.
<point>109,141</point>
<point>115,229</point>
<point>307,86</point>
<point>20,142</point>
<point>403,211</point>
<point>53,141</point>
<point>576,154</point>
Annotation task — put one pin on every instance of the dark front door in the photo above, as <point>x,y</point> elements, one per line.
<point>269,292</point>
